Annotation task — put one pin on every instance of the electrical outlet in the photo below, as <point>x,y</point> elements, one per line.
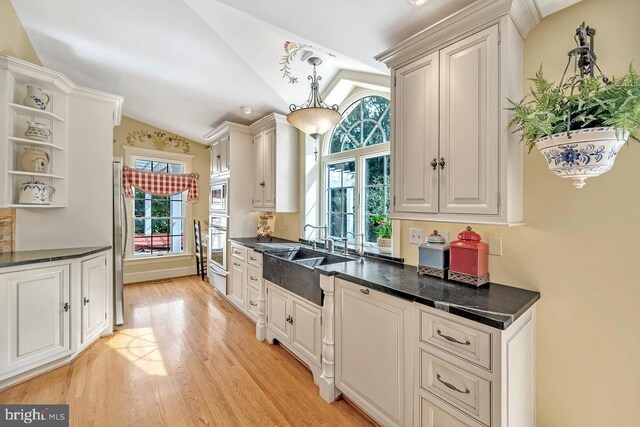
<point>444,234</point>
<point>416,236</point>
<point>495,245</point>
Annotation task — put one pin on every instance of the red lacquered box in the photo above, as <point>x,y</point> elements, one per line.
<point>469,259</point>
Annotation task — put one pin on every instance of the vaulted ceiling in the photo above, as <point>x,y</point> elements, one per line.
<point>187,65</point>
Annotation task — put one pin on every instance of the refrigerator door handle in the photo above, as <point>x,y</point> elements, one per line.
<point>125,220</point>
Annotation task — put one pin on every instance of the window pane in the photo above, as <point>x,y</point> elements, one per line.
<point>349,225</point>
<point>370,232</point>
<point>175,168</point>
<point>349,200</point>
<point>374,171</point>
<point>336,201</point>
<point>367,120</point>
<point>335,225</point>
<point>160,226</point>
<point>143,165</point>
<point>375,200</point>
<point>159,167</point>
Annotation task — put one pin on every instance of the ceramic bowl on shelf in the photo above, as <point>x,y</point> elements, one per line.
<point>35,193</point>
<point>37,132</point>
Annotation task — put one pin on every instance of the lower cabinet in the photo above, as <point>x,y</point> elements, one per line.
<point>50,312</point>
<point>36,306</point>
<point>374,352</point>
<point>94,297</point>
<point>432,414</point>
<point>236,290</point>
<point>295,322</point>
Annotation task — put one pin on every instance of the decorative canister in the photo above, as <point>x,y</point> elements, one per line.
<point>33,160</point>
<point>37,132</point>
<point>36,98</point>
<point>433,256</point>
<point>469,259</point>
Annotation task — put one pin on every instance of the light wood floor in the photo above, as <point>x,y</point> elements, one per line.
<point>184,357</point>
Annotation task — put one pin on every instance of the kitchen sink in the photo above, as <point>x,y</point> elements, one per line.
<point>293,269</point>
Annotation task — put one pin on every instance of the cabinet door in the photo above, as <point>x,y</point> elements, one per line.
<point>278,313</point>
<point>469,124</point>
<point>223,152</point>
<point>258,171</point>
<point>269,156</point>
<point>215,159</point>
<point>416,136</point>
<point>36,309</point>
<point>94,297</point>
<point>373,352</point>
<point>252,302</point>
<point>236,294</point>
<point>430,414</point>
<point>306,329</point>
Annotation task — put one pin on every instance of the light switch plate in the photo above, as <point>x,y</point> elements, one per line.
<point>416,236</point>
<point>495,245</point>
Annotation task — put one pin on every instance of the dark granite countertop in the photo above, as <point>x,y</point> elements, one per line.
<point>264,243</point>
<point>494,305</point>
<point>12,259</point>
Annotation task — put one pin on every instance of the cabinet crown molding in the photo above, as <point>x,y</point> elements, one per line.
<point>224,128</point>
<point>58,81</point>
<point>471,19</point>
<point>267,122</point>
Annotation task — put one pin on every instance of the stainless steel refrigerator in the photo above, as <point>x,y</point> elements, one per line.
<point>120,235</point>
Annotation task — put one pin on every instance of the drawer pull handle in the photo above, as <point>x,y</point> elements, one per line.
<point>365,291</point>
<point>452,339</point>
<point>253,303</point>
<point>253,278</point>
<point>451,386</point>
<point>236,264</point>
<point>253,259</point>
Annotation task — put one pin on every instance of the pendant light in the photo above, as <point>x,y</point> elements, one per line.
<point>314,117</point>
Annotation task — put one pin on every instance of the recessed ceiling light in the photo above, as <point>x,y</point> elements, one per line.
<point>246,110</point>
<point>417,2</point>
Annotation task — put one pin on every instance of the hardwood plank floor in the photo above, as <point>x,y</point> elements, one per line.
<point>185,357</point>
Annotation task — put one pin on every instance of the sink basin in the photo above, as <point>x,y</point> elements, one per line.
<point>293,269</point>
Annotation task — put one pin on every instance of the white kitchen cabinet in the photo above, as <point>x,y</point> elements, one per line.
<point>94,297</point>
<point>36,309</point>
<point>296,323</point>
<point>373,354</point>
<point>454,159</point>
<point>469,124</point>
<point>416,111</point>
<point>279,313</point>
<point>237,277</point>
<point>220,157</point>
<point>275,164</point>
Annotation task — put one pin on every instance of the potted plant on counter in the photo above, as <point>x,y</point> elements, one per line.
<point>382,227</point>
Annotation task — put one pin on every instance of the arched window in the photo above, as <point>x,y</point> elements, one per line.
<point>356,168</point>
<point>366,122</point>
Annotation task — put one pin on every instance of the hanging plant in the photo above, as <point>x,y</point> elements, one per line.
<point>581,124</point>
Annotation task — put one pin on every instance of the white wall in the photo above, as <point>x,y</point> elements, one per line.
<point>87,219</point>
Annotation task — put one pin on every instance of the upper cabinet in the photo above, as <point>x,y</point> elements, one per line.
<point>453,158</point>
<point>220,157</point>
<point>275,164</point>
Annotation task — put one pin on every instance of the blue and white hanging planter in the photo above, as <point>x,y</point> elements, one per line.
<point>582,153</point>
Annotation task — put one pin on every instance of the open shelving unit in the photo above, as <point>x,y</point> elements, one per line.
<point>14,143</point>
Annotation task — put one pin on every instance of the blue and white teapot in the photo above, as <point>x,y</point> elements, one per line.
<point>36,98</point>
<point>36,193</point>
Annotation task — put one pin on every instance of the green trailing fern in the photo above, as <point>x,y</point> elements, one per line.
<point>546,110</point>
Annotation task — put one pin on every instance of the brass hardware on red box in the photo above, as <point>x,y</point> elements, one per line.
<point>469,259</point>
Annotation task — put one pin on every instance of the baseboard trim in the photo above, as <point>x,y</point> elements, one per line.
<point>167,273</point>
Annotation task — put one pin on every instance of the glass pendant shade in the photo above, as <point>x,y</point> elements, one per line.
<point>314,121</point>
<point>314,117</point>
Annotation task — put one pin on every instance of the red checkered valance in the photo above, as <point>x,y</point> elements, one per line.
<point>160,184</point>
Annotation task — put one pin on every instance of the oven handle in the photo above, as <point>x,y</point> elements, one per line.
<point>218,272</point>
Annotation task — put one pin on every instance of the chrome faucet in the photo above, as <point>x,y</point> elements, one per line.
<point>361,249</point>
<point>314,243</point>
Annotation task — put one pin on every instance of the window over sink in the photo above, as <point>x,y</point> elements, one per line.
<point>356,169</point>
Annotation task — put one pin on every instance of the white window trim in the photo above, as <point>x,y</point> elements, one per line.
<point>130,156</point>
<point>358,155</point>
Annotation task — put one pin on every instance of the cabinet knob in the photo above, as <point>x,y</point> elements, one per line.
<point>85,301</point>
<point>218,156</point>
<point>441,163</point>
<point>253,303</point>
<point>434,163</point>
<point>365,291</point>
<point>262,184</point>
<point>66,306</point>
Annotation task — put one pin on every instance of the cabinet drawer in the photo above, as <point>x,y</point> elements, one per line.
<point>464,341</point>
<point>239,252</point>
<point>462,389</point>
<point>254,277</point>
<point>433,414</point>
<point>254,258</point>
<point>252,302</point>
